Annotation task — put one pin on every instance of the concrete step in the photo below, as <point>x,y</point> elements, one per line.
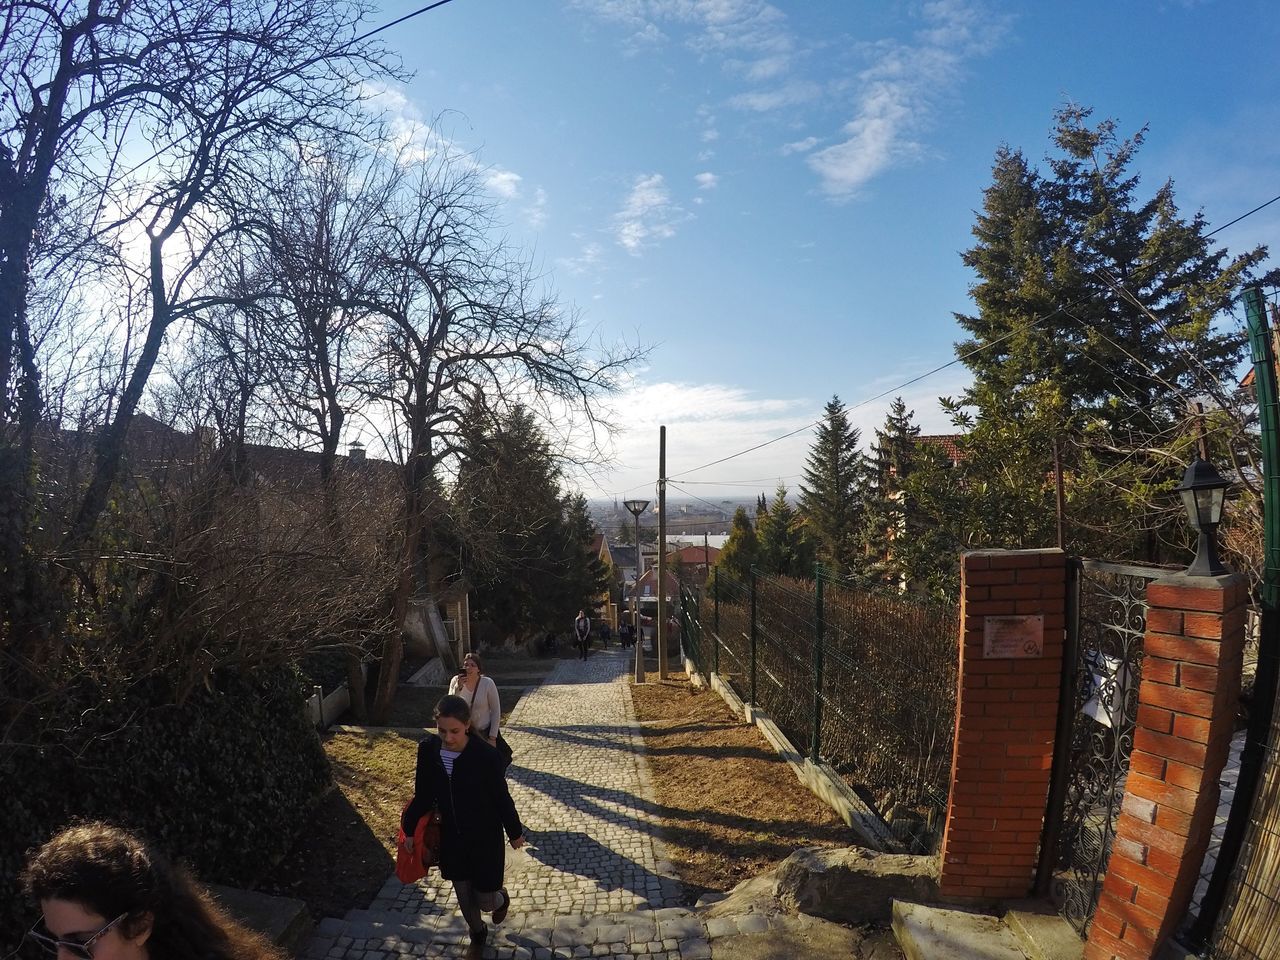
<point>283,919</point>
<point>1042,932</point>
<point>940,933</point>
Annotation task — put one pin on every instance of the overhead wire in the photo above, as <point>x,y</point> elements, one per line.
<point>960,358</point>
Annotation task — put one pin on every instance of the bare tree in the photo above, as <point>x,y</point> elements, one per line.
<point>152,116</point>
<point>466,325</point>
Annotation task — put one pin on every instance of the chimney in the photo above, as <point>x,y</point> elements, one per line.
<point>355,453</point>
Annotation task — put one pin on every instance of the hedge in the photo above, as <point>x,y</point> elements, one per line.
<point>224,782</point>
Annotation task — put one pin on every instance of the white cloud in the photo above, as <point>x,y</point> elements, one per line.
<point>648,214</point>
<point>587,257</point>
<point>899,92</point>
<point>536,213</point>
<point>788,95</point>
<point>752,37</point>
<point>709,421</point>
<point>503,183</point>
<point>799,146</point>
<point>707,181</point>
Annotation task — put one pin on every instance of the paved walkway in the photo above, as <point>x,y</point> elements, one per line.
<point>593,881</point>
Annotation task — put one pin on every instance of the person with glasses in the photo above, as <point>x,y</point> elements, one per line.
<point>105,894</point>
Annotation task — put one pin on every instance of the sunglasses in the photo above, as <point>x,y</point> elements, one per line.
<point>80,949</point>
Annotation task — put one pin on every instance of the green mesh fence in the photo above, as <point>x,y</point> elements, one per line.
<point>862,680</point>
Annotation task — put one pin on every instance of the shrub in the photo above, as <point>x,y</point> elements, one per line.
<point>223,781</point>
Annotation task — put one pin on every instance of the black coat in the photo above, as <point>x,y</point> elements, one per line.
<point>475,806</point>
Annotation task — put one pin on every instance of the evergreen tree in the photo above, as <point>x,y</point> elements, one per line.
<point>525,546</point>
<point>834,490</point>
<point>1095,324</point>
<point>887,532</point>
<point>784,549</point>
<point>741,550</point>
<point>625,535</point>
<point>762,506</point>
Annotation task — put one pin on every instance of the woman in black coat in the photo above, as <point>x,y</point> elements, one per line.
<point>462,775</point>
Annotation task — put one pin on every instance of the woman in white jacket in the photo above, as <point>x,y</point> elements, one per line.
<point>481,694</point>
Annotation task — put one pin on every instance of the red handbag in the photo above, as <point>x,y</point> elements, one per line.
<point>426,848</point>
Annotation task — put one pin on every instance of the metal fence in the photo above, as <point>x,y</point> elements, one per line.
<point>865,681</point>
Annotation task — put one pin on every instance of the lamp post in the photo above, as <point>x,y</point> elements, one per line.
<point>1204,492</point>
<point>637,507</point>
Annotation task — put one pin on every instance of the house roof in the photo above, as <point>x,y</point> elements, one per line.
<point>948,443</point>
<point>697,555</point>
<point>650,579</point>
<point>623,556</point>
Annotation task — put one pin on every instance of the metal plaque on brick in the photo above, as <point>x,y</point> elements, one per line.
<point>1007,638</point>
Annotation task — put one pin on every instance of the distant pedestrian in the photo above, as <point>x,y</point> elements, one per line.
<point>461,775</point>
<point>626,633</point>
<point>605,633</point>
<point>582,633</point>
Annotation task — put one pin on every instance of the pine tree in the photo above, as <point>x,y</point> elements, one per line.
<point>784,548</point>
<point>834,490</point>
<point>887,532</point>
<point>525,546</point>
<point>741,550</point>
<point>1095,323</point>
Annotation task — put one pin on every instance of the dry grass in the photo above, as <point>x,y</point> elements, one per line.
<point>732,806</point>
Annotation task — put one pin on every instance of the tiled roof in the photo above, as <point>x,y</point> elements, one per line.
<point>947,443</point>
<point>697,555</point>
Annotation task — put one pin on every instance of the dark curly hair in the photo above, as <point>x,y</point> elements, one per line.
<point>111,871</point>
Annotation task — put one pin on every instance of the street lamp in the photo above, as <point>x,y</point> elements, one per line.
<point>1203,493</point>
<point>637,507</point>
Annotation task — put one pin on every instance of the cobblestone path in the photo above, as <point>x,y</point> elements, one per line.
<point>593,881</point>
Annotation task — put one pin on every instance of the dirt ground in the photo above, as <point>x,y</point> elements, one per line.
<point>732,805</point>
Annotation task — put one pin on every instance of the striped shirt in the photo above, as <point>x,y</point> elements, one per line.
<point>447,757</point>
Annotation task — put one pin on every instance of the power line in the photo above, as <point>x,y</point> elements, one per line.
<point>694,495</point>
<point>976,350</point>
<point>743,483</point>
<point>393,23</point>
<point>1230,223</point>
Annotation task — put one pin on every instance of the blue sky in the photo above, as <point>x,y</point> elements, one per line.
<point>774,196</point>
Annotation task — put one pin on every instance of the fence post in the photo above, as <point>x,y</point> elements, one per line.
<point>753,637</point>
<point>815,747</point>
<point>715,631</point>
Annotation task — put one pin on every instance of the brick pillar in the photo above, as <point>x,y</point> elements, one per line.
<point>1006,712</point>
<point>1186,711</point>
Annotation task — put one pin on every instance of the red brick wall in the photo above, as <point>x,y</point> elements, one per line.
<point>1186,711</point>
<point>1006,711</point>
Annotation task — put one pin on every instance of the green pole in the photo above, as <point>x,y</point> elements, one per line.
<point>1253,756</point>
<point>715,632</point>
<point>815,747</point>
<point>753,637</point>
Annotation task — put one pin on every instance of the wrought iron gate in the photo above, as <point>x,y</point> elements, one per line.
<point>1102,666</point>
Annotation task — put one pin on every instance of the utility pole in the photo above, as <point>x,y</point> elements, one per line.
<point>661,632</point>
<point>1059,500</point>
